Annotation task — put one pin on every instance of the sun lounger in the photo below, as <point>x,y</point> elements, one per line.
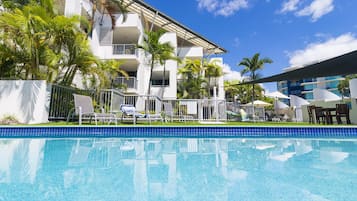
<point>83,107</point>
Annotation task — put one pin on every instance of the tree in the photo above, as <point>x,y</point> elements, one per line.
<point>37,44</point>
<point>107,7</point>
<point>251,66</point>
<point>243,93</point>
<point>344,86</point>
<point>212,70</point>
<point>164,57</point>
<point>157,50</point>
<point>192,82</point>
<point>26,34</point>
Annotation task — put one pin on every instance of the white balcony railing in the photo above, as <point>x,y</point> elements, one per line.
<point>130,82</point>
<point>124,49</point>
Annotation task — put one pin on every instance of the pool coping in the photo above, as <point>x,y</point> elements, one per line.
<point>207,131</point>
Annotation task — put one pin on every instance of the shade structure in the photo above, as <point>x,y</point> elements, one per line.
<point>258,103</point>
<point>278,105</point>
<point>324,95</point>
<point>297,102</point>
<point>277,94</point>
<point>341,65</point>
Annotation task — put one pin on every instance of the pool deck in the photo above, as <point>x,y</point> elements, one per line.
<point>207,131</point>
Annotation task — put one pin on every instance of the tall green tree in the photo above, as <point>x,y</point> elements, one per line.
<point>157,50</point>
<point>192,84</point>
<point>38,44</point>
<point>252,66</point>
<point>25,31</point>
<point>212,70</point>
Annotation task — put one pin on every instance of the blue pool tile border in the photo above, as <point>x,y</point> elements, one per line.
<point>178,132</point>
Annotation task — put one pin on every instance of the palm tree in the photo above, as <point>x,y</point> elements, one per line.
<point>157,51</point>
<point>26,34</point>
<point>164,57</point>
<point>109,70</point>
<point>212,70</point>
<point>107,7</point>
<point>78,58</point>
<point>251,66</point>
<point>344,85</point>
<point>242,92</point>
<point>191,85</point>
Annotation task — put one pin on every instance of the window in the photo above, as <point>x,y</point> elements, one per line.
<point>159,82</point>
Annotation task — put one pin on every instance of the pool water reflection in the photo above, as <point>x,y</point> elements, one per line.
<point>178,169</point>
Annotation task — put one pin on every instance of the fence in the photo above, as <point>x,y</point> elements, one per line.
<point>199,109</point>
<point>111,99</point>
<point>61,102</point>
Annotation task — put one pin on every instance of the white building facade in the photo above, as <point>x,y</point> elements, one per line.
<point>120,43</point>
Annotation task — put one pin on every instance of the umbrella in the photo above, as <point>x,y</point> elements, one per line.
<point>277,94</point>
<point>258,103</point>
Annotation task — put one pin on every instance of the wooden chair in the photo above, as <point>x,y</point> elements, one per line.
<point>320,115</point>
<point>310,111</point>
<point>342,110</point>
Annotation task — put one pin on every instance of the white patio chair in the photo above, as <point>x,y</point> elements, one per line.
<point>83,107</point>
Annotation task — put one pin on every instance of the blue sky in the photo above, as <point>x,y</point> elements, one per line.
<point>290,32</point>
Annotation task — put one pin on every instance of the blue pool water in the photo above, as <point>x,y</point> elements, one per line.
<point>182,169</point>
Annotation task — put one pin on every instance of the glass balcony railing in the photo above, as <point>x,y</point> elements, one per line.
<point>130,82</point>
<point>124,49</point>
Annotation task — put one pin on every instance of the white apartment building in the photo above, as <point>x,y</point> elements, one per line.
<point>120,42</point>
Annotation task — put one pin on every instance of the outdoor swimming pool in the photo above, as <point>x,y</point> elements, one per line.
<point>177,168</point>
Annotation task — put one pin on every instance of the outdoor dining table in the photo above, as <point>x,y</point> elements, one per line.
<point>328,113</point>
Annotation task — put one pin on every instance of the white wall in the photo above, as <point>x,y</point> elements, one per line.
<point>353,88</point>
<point>27,100</point>
<point>72,7</point>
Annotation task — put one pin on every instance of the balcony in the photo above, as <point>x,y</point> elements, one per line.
<point>124,49</point>
<point>130,83</point>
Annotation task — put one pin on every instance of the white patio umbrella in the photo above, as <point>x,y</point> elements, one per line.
<point>277,94</point>
<point>258,103</point>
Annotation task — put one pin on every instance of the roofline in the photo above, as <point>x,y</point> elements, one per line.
<point>147,6</point>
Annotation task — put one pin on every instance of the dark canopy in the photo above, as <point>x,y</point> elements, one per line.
<point>342,65</point>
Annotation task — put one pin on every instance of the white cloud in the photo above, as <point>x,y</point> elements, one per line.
<point>320,51</point>
<point>288,6</point>
<point>230,74</point>
<point>222,7</point>
<point>317,9</point>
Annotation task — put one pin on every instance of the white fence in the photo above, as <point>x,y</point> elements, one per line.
<point>189,109</point>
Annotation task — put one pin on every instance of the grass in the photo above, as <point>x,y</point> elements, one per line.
<point>188,123</point>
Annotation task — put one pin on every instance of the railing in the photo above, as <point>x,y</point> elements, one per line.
<point>199,109</point>
<point>61,101</point>
<point>130,82</point>
<point>111,100</point>
<point>124,49</point>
